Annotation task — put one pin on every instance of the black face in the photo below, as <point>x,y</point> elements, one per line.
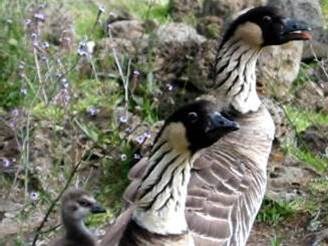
<point>275,28</point>
<point>203,123</point>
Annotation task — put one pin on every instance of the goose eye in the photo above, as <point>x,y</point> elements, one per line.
<point>267,19</point>
<point>193,117</point>
<point>84,203</point>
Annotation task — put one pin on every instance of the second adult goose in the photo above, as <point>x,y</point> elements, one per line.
<point>158,215</point>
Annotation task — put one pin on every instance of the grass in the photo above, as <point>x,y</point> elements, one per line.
<point>275,241</point>
<point>308,157</point>
<point>273,212</point>
<point>324,6</point>
<point>146,10</point>
<point>12,52</point>
<point>302,118</point>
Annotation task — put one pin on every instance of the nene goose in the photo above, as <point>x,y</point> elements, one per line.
<point>76,205</point>
<point>228,180</point>
<point>158,217</point>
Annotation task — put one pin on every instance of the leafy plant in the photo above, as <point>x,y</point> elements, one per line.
<point>273,212</point>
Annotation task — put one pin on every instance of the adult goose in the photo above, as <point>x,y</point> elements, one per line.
<point>76,205</point>
<point>228,180</point>
<point>158,214</point>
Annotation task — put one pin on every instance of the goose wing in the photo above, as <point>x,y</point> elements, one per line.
<point>223,198</point>
<point>228,183</point>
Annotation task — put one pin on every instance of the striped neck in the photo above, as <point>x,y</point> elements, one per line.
<point>163,190</point>
<point>235,78</point>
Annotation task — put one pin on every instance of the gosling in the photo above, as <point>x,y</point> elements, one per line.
<point>75,206</point>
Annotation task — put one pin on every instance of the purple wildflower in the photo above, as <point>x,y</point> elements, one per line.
<point>34,36</point>
<point>64,82</point>
<point>45,45</point>
<point>136,73</point>
<point>137,156</point>
<point>128,130</point>
<point>6,163</point>
<point>62,98</point>
<point>27,22</point>
<point>23,91</point>
<point>101,9</point>
<point>82,50</point>
<point>40,17</point>
<point>147,134</point>
<point>123,119</point>
<point>92,111</point>
<point>34,196</point>
<point>140,139</point>
<point>124,157</point>
<point>169,87</point>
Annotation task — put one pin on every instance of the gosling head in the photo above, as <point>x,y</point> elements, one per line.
<point>196,126</point>
<point>263,26</point>
<point>77,204</point>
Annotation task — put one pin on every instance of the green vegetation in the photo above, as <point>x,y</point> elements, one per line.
<point>67,97</point>
<point>146,10</point>
<point>308,157</point>
<point>302,118</point>
<point>324,5</point>
<point>275,241</point>
<point>273,212</point>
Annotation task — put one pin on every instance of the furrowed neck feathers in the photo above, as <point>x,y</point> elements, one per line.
<point>234,80</point>
<point>163,189</point>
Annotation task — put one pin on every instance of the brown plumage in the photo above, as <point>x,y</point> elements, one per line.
<point>158,215</point>
<point>75,206</point>
<point>228,180</point>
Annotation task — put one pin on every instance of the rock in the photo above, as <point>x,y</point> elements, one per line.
<point>178,33</point>
<point>319,44</point>
<point>277,68</point>
<point>310,12</point>
<point>58,27</point>
<point>311,96</point>
<point>201,66</point>
<point>11,226</point>
<point>227,8</point>
<point>180,10</point>
<point>176,47</point>
<point>317,238</point>
<point>210,26</point>
<point>9,206</point>
<point>118,14</point>
<point>127,29</point>
<point>288,179</point>
<point>315,138</point>
<point>283,130</point>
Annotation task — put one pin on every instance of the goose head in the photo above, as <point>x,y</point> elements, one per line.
<point>197,125</point>
<point>77,204</point>
<point>264,26</point>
